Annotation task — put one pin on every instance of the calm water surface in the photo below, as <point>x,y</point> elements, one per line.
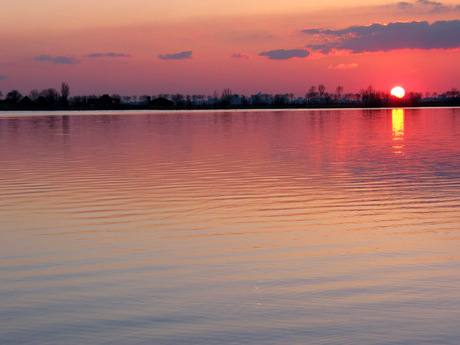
<point>287,227</point>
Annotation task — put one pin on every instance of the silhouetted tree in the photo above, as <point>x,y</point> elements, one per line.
<point>226,97</point>
<point>116,100</point>
<point>34,94</point>
<point>178,99</point>
<point>48,97</point>
<point>1,95</point>
<point>414,98</point>
<point>78,101</point>
<point>162,95</point>
<point>13,97</point>
<point>453,93</point>
<point>373,98</point>
<point>65,91</point>
<point>256,99</point>
<point>321,90</point>
<point>188,100</point>
<point>312,94</point>
<point>267,98</point>
<point>244,101</point>
<point>145,99</point>
<point>280,100</point>
<point>215,97</point>
<point>368,95</point>
<point>338,91</point>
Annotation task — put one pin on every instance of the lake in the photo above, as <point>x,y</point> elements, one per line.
<point>243,227</point>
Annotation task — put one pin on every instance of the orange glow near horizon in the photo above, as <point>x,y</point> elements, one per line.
<point>114,47</point>
<point>398,92</point>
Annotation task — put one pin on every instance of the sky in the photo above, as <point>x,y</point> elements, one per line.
<point>145,47</point>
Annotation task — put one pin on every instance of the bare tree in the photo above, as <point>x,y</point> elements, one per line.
<point>145,99</point>
<point>14,96</point>
<point>368,94</point>
<point>280,100</point>
<point>65,91</point>
<point>178,99</point>
<point>33,95</point>
<point>215,96</point>
<point>311,93</point>
<point>453,93</point>
<point>226,97</point>
<point>338,91</point>
<point>116,97</point>
<point>50,96</point>
<point>321,89</point>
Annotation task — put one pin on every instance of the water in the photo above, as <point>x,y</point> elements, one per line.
<point>269,227</point>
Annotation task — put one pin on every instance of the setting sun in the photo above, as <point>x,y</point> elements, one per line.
<point>398,91</point>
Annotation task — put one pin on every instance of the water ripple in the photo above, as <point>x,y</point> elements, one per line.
<point>315,227</point>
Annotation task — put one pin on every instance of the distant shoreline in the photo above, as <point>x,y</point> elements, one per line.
<point>217,109</point>
<point>127,107</point>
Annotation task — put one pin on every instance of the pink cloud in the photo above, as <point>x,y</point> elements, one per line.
<point>345,66</point>
<point>240,56</point>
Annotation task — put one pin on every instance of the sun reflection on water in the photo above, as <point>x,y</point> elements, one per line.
<point>397,120</point>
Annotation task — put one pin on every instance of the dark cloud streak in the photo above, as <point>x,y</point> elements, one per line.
<point>435,6</point>
<point>393,36</point>
<point>111,55</point>
<point>177,56</point>
<point>282,54</point>
<point>60,60</point>
<point>404,5</point>
<point>423,6</point>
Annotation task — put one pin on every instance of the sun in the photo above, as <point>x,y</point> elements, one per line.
<point>398,91</point>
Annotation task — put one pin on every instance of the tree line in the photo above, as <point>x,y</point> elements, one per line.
<point>316,96</point>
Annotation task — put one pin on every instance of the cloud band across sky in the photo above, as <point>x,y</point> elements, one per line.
<point>176,56</point>
<point>61,60</point>
<point>240,56</point>
<point>282,54</point>
<point>110,55</point>
<point>393,36</point>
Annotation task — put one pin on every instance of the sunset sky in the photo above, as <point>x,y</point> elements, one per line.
<point>200,46</point>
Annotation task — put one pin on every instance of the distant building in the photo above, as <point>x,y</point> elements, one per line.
<point>26,102</point>
<point>162,103</point>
